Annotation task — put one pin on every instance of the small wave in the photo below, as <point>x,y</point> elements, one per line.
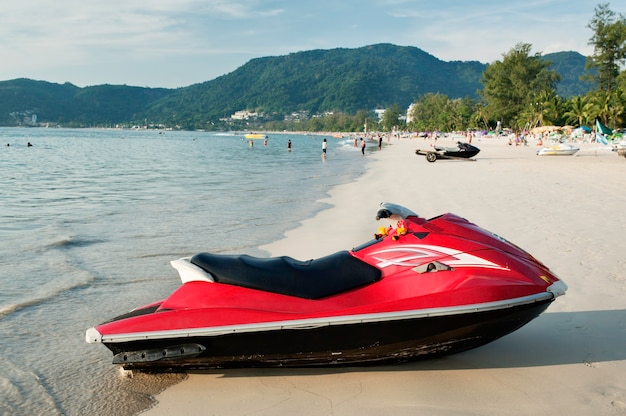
<point>71,242</point>
<point>168,255</point>
<point>15,307</point>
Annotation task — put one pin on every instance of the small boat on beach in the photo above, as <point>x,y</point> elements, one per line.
<point>255,136</point>
<point>420,288</point>
<point>620,147</point>
<point>561,149</point>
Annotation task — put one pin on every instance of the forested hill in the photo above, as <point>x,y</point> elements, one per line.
<point>571,66</point>
<point>67,104</point>
<point>345,80</point>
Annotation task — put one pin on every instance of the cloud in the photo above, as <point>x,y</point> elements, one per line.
<point>76,23</point>
<point>197,40</point>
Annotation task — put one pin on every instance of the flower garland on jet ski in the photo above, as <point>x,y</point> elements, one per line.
<point>395,233</point>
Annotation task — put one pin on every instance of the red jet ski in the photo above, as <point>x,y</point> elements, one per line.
<point>420,288</point>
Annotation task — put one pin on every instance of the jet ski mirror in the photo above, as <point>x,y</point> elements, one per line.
<point>393,212</point>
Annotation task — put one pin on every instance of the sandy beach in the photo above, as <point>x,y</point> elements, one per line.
<point>567,211</point>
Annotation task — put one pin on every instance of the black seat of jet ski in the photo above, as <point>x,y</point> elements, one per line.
<point>311,279</point>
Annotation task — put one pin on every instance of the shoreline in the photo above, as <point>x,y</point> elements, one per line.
<point>566,211</point>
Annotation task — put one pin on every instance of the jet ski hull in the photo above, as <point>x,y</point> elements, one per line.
<point>331,344</point>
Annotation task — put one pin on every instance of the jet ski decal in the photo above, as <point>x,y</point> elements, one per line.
<point>413,255</point>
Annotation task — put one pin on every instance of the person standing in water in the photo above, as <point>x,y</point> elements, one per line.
<point>324,147</point>
<point>289,145</point>
<point>363,147</point>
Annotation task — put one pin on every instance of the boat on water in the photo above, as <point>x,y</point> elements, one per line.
<point>420,288</point>
<point>561,149</point>
<point>463,151</point>
<point>255,136</point>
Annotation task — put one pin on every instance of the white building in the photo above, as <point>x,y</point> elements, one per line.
<point>244,115</point>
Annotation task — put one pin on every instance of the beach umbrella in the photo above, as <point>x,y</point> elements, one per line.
<point>601,128</point>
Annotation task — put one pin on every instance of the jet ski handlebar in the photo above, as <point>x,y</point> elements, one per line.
<point>393,212</point>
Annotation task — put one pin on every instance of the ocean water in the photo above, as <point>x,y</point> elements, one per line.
<point>89,220</point>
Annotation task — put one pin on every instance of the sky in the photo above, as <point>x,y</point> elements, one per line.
<point>177,43</point>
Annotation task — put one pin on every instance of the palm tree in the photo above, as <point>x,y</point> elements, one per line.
<point>600,103</point>
<point>553,109</point>
<point>480,115</point>
<point>578,111</point>
<point>616,108</point>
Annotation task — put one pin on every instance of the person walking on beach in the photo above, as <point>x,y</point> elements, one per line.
<point>324,147</point>
<point>362,147</point>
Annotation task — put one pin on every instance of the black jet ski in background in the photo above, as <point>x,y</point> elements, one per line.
<point>464,151</point>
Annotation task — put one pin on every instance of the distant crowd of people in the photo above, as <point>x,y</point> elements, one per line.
<point>359,142</point>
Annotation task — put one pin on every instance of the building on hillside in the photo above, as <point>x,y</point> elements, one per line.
<point>409,113</point>
<point>245,115</point>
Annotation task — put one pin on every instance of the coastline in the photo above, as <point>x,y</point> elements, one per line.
<point>563,210</point>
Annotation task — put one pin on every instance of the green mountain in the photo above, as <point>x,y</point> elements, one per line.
<point>571,66</point>
<point>316,81</point>
<point>68,104</point>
